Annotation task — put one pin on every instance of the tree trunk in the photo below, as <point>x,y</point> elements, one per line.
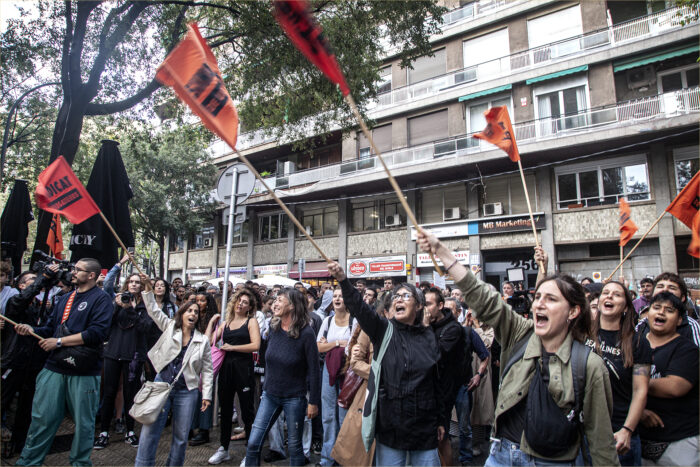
<point>161,253</point>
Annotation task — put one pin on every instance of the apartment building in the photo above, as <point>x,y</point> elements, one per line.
<point>604,100</point>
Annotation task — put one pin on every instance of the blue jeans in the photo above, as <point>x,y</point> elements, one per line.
<point>202,420</point>
<point>268,412</point>
<point>504,452</point>
<point>183,403</point>
<point>634,455</point>
<point>332,417</point>
<point>463,406</point>
<point>276,436</point>
<point>384,455</point>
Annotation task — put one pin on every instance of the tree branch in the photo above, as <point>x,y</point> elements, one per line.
<point>65,53</point>
<point>205,4</point>
<point>113,13</point>
<point>108,108</point>
<point>76,47</point>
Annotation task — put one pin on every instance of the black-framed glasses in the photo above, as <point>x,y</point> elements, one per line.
<point>77,269</point>
<point>406,296</point>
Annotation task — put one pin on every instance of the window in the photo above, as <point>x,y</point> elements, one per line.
<point>554,27</point>
<point>508,191</point>
<point>176,242</point>
<point>204,238</point>
<point>427,128</point>
<point>603,183</point>
<point>321,221</point>
<point>384,84</point>
<point>680,78</point>
<point>377,214</point>
<point>426,67</point>
<point>560,105</point>
<point>686,165</point>
<point>475,112</point>
<point>240,234</point>
<point>436,201</point>
<point>381,137</point>
<point>272,227</point>
<point>489,53</point>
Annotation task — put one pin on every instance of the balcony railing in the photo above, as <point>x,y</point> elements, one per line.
<point>626,113</point>
<point>474,10</point>
<point>636,29</point>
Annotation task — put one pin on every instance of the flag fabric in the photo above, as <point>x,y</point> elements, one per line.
<point>55,238</point>
<point>686,204</point>
<point>296,21</point>
<point>192,71</point>
<point>694,247</point>
<point>499,131</point>
<point>627,227</point>
<point>16,214</point>
<point>60,192</point>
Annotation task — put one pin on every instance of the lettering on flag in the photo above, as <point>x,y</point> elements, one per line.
<point>192,71</point>
<point>499,131</point>
<point>685,206</point>
<point>627,227</point>
<point>307,36</point>
<point>55,238</point>
<point>60,192</point>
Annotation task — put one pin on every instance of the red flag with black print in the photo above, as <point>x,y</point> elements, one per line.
<point>60,192</point>
<point>499,131</point>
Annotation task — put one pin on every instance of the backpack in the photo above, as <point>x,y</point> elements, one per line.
<point>328,318</point>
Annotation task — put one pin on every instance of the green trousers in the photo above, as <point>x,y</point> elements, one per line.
<point>54,393</point>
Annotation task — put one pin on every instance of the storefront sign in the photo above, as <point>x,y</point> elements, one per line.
<point>506,224</point>
<point>198,274</point>
<point>235,270</point>
<point>423,259</point>
<point>311,269</point>
<point>457,229</point>
<point>270,269</point>
<point>377,267</point>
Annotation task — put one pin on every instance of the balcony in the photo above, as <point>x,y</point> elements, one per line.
<point>649,109</point>
<point>474,10</point>
<point>623,33</point>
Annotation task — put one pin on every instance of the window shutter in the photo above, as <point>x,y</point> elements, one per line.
<point>427,128</point>
<point>426,67</point>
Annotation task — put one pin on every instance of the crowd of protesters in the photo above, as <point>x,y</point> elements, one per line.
<point>569,373</point>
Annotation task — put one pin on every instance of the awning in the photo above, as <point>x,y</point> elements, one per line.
<point>474,95</point>
<point>558,74</point>
<point>645,59</point>
<point>312,269</point>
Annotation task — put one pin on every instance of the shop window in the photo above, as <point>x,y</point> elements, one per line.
<point>686,165</point>
<point>427,67</point>
<point>505,195</point>
<point>204,238</point>
<point>240,234</point>
<point>603,183</point>
<point>322,221</point>
<point>176,242</point>
<point>272,227</point>
<point>444,204</point>
<point>378,214</point>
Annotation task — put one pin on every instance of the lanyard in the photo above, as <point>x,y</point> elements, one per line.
<point>69,305</point>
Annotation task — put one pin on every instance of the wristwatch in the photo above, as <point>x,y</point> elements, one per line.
<point>58,342</point>
<point>337,343</point>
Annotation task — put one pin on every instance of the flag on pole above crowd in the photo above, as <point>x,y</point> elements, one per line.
<point>60,192</point>
<point>55,238</point>
<point>685,206</point>
<point>694,247</point>
<point>499,131</point>
<point>193,73</point>
<point>627,227</point>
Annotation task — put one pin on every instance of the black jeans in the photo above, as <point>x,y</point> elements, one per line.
<point>130,373</point>
<point>24,382</point>
<point>236,377</point>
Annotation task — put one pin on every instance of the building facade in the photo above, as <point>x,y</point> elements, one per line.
<point>604,100</point>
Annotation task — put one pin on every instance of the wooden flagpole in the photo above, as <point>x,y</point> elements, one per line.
<point>529,209</point>
<point>131,258</point>
<point>392,180</point>
<point>635,246</point>
<point>30,332</point>
<point>282,205</point>
<point>621,262</point>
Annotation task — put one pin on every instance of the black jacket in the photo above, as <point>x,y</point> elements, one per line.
<point>451,366</point>
<point>128,333</point>
<point>409,396</point>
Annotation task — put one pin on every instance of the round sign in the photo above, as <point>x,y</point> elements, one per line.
<point>244,188</point>
<point>357,268</point>
<point>596,276</point>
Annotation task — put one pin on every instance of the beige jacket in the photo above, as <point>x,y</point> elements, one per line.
<point>197,359</point>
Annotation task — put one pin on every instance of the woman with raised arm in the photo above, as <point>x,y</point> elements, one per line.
<point>553,389</point>
<point>409,398</point>
<point>180,347</point>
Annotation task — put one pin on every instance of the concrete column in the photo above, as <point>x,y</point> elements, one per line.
<point>544,201</point>
<point>291,239</point>
<point>343,208</point>
<point>411,248</point>
<point>474,213</point>
<point>658,170</point>
<point>252,234</point>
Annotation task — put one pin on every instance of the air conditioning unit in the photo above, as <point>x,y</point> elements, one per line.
<point>289,168</point>
<point>640,77</point>
<point>208,242</point>
<point>493,209</point>
<point>393,220</point>
<point>451,214</point>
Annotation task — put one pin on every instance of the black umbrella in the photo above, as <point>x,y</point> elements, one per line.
<point>13,224</point>
<point>109,187</point>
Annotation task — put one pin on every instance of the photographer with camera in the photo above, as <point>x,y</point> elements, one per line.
<point>76,328</point>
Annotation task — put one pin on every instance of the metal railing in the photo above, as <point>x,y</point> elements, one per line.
<point>474,10</point>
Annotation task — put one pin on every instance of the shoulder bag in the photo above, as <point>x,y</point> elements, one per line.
<point>351,384</point>
<point>369,414</point>
<point>150,400</point>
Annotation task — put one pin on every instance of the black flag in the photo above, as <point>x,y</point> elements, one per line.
<point>13,224</point>
<point>109,187</point>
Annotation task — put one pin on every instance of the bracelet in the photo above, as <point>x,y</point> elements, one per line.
<point>627,428</point>
<point>481,375</point>
<point>450,266</point>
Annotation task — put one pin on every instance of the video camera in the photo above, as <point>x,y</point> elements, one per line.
<point>520,302</point>
<point>43,261</point>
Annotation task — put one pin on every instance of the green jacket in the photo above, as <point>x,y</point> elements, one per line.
<point>509,327</point>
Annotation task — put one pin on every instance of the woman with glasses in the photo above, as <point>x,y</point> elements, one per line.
<point>291,368</point>
<point>409,400</point>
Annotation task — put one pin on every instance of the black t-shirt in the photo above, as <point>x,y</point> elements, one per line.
<point>621,377</point>
<point>679,415</point>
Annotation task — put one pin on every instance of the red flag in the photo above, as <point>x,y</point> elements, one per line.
<point>55,239</point>
<point>499,131</point>
<point>694,247</point>
<point>192,71</point>
<point>307,36</point>
<point>59,191</point>
<point>686,204</point>
<point>627,227</point>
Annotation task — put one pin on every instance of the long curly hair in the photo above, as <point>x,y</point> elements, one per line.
<point>252,301</point>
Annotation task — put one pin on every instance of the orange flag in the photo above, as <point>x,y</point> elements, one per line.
<point>685,206</point>
<point>499,131</point>
<point>192,71</point>
<point>694,247</point>
<point>55,239</point>
<point>59,191</point>
<point>627,227</point>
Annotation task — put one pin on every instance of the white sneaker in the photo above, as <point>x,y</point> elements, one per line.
<point>221,455</point>
<point>243,462</point>
<point>238,429</point>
